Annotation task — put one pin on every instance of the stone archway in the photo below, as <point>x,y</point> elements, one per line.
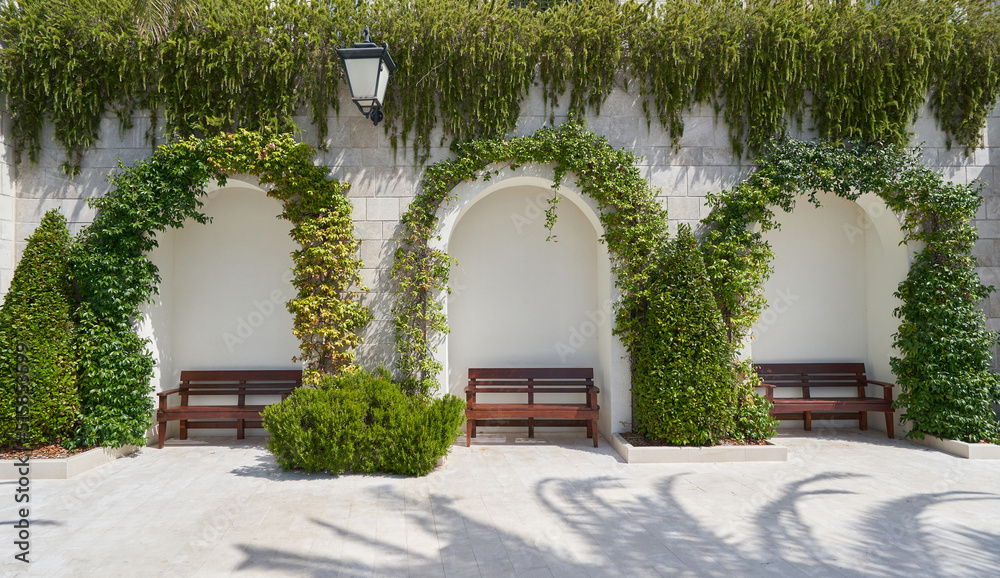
<point>577,331</point>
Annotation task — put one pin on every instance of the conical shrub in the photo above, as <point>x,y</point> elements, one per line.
<point>683,372</point>
<point>39,403</point>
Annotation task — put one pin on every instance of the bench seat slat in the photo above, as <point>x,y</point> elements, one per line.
<point>227,424</point>
<point>815,404</point>
<point>532,410</point>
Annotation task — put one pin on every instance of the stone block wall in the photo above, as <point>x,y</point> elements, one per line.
<point>8,214</point>
<point>384,182</point>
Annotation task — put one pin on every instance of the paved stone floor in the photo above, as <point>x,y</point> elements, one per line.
<point>845,503</point>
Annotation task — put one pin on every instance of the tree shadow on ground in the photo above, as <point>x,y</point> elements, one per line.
<point>616,526</point>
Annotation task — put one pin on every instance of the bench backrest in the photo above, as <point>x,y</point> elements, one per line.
<point>812,375</point>
<point>241,381</point>
<point>559,379</point>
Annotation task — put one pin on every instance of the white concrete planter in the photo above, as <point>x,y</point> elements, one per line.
<point>63,468</point>
<point>687,455</point>
<point>962,449</point>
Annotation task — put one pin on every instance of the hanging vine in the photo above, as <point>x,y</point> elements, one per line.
<point>466,68</point>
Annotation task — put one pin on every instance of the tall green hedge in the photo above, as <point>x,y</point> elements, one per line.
<point>37,353</point>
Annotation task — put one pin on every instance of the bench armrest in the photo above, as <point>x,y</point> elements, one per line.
<point>767,385</point>
<point>882,383</point>
<point>169,391</point>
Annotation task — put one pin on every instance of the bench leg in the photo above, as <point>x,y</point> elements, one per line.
<point>863,420</point>
<point>184,429</point>
<point>531,427</point>
<point>470,428</point>
<point>807,418</point>
<point>161,433</point>
<point>239,429</point>
<point>889,425</point>
<point>593,431</point>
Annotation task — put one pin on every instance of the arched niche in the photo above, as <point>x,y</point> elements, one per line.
<point>830,297</point>
<point>223,289</point>
<point>518,300</point>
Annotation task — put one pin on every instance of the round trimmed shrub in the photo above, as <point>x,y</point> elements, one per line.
<point>36,343</point>
<point>362,422</point>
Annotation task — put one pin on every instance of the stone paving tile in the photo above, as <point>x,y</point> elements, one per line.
<point>846,503</point>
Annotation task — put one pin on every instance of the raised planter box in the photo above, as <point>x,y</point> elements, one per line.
<point>962,449</point>
<point>63,468</point>
<point>689,455</point>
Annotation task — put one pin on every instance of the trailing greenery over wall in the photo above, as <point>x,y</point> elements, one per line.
<point>37,356</point>
<point>712,400</point>
<point>466,66</point>
<point>944,347</point>
<point>114,277</point>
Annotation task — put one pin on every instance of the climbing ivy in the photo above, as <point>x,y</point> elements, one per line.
<point>465,68</point>
<point>943,366</point>
<point>114,277</point>
<point>635,231</point>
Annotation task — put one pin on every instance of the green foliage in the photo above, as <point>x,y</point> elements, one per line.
<point>37,355</point>
<point>682,364</point>
<point>361,422</point>
<point>945,368</point>
<point>943,365</point>
<point>465,67</point>
<point>114,278</point>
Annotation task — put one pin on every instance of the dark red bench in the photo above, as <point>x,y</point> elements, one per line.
<point>231,383</point>
<point>528,410</point>
<point>847,379</point>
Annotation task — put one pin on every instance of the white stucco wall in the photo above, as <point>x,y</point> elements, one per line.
<point>516,299</point>
<point>8,216</point>
<point>816,294</point>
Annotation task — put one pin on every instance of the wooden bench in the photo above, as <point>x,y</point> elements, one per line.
<point>843,378</point>
<point>531,412</point>
<point>238,383</point>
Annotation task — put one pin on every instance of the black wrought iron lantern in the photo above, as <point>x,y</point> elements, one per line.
<point>368,67</point>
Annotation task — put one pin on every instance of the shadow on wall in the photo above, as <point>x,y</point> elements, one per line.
<point>603,528</point>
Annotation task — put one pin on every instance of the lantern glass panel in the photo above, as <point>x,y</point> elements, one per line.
<point>363,75</point>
